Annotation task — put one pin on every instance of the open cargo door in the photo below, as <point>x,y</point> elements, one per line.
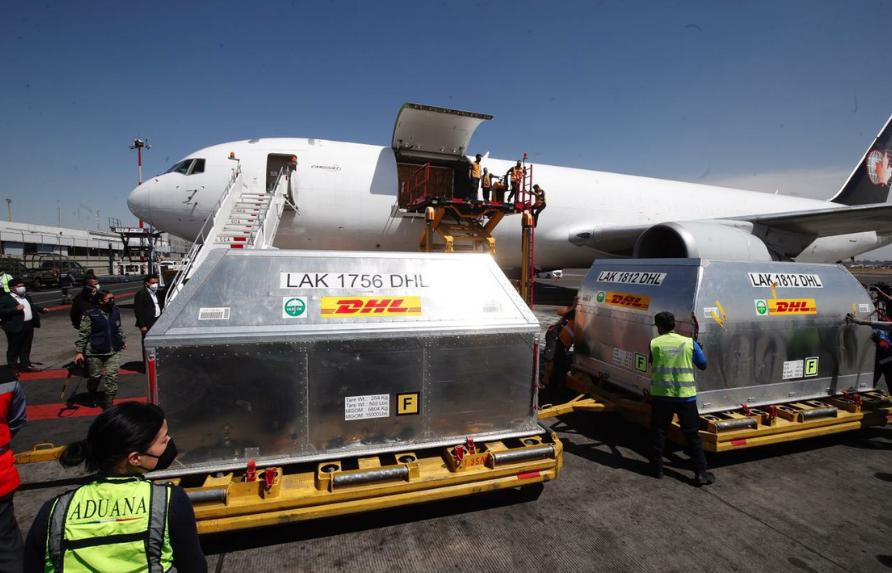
<point>434,132</point>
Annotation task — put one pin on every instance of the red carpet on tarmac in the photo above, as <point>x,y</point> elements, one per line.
<point>63,410</point>
<point>56,410</point>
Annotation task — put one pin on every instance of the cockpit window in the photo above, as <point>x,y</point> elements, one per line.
<point>188,167</point>
<point>180,167</point>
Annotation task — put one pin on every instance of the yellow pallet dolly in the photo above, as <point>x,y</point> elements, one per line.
<point>744,427</point>
<point>263,496</point>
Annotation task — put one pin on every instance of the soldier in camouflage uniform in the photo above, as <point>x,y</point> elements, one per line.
<point>100,341</point>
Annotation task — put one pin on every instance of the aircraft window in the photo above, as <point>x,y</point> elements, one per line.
<point>180,167</point>
<point>198,167</point>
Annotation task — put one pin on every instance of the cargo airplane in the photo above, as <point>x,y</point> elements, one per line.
<point>347,197</point>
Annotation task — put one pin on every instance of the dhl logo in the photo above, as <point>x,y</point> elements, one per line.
<point>625,300</point>
<point>792,306</point>
<point>367,306</point>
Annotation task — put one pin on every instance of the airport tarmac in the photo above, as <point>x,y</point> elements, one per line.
<point>817,505</point>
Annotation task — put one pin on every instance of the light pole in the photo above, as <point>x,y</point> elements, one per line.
<point>9,209</point>
<point>138,144</point>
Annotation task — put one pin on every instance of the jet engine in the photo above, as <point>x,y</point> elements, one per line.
<point>696,239</point>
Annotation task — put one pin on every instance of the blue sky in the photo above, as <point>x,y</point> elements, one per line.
<point>763,95</point>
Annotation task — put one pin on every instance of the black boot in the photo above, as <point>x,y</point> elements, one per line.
<point>706,478</point>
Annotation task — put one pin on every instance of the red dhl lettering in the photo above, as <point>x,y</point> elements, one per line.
<point>792,306</point>
<point>638,302</point>
<point>365,306</point>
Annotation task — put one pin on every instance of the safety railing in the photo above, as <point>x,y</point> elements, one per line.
<point>205,235</point>
<point>525,195</point>
<point>269,219</point>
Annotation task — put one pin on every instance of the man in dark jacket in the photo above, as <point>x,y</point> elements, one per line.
<point>20,316</point>
<point>147,306</point>
<point>84,300</point>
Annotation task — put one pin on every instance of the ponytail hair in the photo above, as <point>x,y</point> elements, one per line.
<point>124,428</point>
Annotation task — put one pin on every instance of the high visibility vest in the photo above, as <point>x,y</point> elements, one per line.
<point>4,281</point>
<point>113,524</point>
<point>487,181</point>
<point>672,373</point>
<point>9,475</point>
<point>517,175</point>
<point>475,170</point>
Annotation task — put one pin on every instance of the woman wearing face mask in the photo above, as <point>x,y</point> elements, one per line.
<point>119,521</point>
<point>100,341</point>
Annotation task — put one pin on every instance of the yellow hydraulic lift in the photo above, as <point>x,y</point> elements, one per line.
<point>452,225</point>
<point>742,428</point>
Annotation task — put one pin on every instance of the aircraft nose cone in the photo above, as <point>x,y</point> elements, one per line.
<point>138,202</point>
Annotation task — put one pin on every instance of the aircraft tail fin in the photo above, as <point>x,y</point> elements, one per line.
<point>869,183</point>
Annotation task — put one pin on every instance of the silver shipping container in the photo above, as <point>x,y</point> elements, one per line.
<point>771,331</point>
<point>287,356</point>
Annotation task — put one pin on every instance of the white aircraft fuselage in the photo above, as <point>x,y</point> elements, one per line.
<point>346,195</point>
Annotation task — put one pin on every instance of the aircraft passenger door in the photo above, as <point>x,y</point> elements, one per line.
<point>280,169</point>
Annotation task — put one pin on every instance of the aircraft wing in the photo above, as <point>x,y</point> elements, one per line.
<point>785,233</point>
<point>832,221</point>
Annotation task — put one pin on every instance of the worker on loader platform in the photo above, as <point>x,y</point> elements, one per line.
<point>487,184</point>
<point>475,172</point>
<point>517,173</point>
<point>673,392</point>
<point>119,520</point>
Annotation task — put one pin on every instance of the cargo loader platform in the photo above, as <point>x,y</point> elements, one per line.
<point>740,428</point>
<point>276,495</point>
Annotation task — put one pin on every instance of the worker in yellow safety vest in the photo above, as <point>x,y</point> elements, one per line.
<point>673,392</point>
<point>120,521</point>
<point>517,173</point>
<point>475,172</point>
<point>5,277</point>
<point>487,184</point>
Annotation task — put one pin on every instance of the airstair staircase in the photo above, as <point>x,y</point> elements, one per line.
<point>243,218</point>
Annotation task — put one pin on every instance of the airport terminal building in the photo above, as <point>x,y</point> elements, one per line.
<point>102,251</point>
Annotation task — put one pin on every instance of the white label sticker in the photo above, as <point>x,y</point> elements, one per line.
<point>623,358</point>
<point>792,369</point>
<point>708,311</point>
<point>863,308</point>
<point>366,407</point>
<point>784,280</point>
<point>362,281</point>
<point>294,307</point>
<point>213,313</point>
<point>632,278</point>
